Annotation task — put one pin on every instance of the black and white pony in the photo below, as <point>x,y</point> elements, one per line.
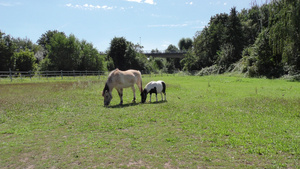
<point>154,87</point>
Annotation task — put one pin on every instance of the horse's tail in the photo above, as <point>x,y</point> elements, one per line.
<point>164,87</point>
<point>138,74</point>
<point>141,82</point>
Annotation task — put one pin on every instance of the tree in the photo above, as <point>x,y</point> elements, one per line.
<point>267,62</point>
<point>185,44</point>
<point>7,48</point>
<point>172,63</point>
<point>46,37</point>
<point>117,51</point>
<point>63,52</point>
<point>284,28</point>
<point>25,60</point>
<point>234,36</point>
<point>125,55</point>
<point>90,58</point>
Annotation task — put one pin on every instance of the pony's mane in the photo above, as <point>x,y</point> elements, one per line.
<point>106,88</point>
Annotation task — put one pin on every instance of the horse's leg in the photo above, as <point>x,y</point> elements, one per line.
<point>156,96</point>
<point>165,96</point>
<point>120,92</point>
<point>133,90</point>
<point>162,98</point>
<point>150,97</point>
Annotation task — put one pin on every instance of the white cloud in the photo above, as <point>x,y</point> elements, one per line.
<point>89,6</point>
<point>138,1</point>
<point>9,4</point>
<point>151,2</point>
<point>189,3</point>
<point>218,3</point>
<point>196,24</point>
<point>169,25</point>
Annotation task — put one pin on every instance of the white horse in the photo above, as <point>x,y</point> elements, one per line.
<point>154,87</point>
<point>121,79</point>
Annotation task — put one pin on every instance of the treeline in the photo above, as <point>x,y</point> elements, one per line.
<point>261,41</point>
<point>53,51</point>
<point>56,51</point>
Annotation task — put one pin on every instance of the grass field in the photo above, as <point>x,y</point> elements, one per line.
<point>207,122</point>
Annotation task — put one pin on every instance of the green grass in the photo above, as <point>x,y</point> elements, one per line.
<point>207,122</point>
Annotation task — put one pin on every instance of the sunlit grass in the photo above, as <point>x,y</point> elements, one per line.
<point>212,121</point>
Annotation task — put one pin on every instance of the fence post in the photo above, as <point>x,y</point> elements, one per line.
<point>30,74</point>
<point>10,75</point>
<point>61,74</point>
<point>99,74</point>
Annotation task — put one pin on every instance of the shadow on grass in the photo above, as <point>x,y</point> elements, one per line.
<point>124,105</point>
<point>158,102</point>
<point>135,104</point>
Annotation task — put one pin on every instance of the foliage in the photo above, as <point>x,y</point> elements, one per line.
<point>7,48</point>
<point>269,34</point>
<point>172,63</point>
<point>90,58</point>
<point>25,60</point>
<point>125,55</point>
<point>185,44</point>
<point>68,53</point>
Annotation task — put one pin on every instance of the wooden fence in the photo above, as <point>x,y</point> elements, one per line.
<point>20,75</point>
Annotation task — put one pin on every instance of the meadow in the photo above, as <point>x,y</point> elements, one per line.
<point>207,122</point>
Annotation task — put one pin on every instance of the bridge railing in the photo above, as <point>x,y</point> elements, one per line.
<point>163,51</point>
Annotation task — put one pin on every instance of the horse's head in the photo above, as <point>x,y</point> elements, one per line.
<point>144,95</point>
<point>107,95</point>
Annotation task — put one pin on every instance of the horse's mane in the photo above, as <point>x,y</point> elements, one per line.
<point>106,88</point>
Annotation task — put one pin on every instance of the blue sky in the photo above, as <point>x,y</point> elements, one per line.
<point>153,23</point>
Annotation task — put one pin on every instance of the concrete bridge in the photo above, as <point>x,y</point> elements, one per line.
<point>163,54</point>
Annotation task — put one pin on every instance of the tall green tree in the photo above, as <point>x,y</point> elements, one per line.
<point>117,50</point>
<point>90,58</point>
<point>172,63</point>
<point>45,39</point>
<point>185,44</point>
<point>284,28</point>
<point>7,49</point>
<point>25,60</point>
<point>234,36</point>
<point>63,52</point>
<point>125,55</point>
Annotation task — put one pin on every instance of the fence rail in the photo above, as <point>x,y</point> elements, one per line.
<point>48,74</point>
<point>20,75</point>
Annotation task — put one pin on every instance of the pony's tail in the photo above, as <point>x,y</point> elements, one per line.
<point>164,87</point>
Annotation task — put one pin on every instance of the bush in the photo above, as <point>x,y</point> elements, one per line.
<point>25,60</point>
<point>214,69</point>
